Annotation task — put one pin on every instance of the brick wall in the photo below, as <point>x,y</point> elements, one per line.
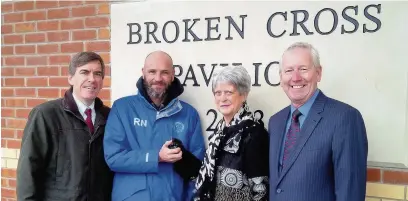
<point>38,40</point>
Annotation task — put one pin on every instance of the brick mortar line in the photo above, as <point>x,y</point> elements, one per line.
<point>56,19</point>
<point>52,31</point>
<point>59,7</point>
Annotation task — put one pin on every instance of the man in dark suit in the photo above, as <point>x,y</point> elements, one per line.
<point>318,145</point>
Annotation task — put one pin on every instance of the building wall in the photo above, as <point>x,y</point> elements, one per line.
<point>37,41</point>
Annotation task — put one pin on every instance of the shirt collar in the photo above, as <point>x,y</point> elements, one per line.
<point>305,108</point>
<point>81,106</point>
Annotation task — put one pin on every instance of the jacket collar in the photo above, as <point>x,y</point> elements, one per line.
<point>68,102</point>
<point>175,89</point>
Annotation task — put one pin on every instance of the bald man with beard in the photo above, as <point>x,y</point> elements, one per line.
<point>153,141</point>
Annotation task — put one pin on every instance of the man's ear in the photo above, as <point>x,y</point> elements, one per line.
<point>70,81</point>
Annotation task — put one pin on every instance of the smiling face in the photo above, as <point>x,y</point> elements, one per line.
<point>299,77</point>
<point>228,100</point>
<point>158,74</point>
<point>87,81</point>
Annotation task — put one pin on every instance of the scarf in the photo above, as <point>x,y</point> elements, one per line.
<point>206,174</point>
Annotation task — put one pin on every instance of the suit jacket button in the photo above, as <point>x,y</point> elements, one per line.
<point>278,190</point>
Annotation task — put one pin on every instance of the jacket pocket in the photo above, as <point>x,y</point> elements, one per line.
<point>125,185</point>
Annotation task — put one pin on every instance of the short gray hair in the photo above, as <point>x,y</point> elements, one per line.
<point>313,53</point>
<point>237,76</point>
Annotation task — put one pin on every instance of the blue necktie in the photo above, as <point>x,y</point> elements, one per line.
<point>291,136</point>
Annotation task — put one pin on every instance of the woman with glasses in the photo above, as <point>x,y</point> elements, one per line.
<point>235,165</point>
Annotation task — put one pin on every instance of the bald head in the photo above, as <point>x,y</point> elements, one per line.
<point>158,57</point>
<point>158,74</point>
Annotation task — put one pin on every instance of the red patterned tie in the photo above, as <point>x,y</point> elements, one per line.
<point>88,120</point>
<point>291,136</point>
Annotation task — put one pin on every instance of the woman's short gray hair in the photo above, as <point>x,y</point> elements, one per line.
<point>237,76</point>
<point>313,52</point>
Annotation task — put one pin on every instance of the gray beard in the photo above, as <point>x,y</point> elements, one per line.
<point>153,93</point>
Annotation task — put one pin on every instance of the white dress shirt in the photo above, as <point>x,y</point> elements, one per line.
<point>82,107</point>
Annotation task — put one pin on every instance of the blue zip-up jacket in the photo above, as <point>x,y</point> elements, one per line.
<point>134,134</point>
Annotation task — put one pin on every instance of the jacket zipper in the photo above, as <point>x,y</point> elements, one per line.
<point>89,153</point>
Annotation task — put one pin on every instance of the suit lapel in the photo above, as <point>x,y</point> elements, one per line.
<point>279,130</point>
<point>310,123</point>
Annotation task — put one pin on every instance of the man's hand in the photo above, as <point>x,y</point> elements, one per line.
<point>169,155</point>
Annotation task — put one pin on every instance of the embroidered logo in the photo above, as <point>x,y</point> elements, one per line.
<point>178,127</point>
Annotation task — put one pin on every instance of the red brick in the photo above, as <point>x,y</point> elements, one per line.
<point>46,4</point>
<point>15,144</point>
<point>35,38</point>
<point>24,27</point>
<point>373,175</point>
<point>8,193</point>
<point>12,39</point>
<point>64,71</point>
<point>62,91</point>
<point>58,13</point>
<point>25,49</point>
<point>7,92</point>
<point>47,48</point>
<point>58,81</point>
<point>97,22</point>
<point>72,47</point>
<point>60,59</point>
<point>4,181</point>
<point>37,82</point>
<point>107,70</point>
<point>15,102</point>
<point>48,93</point>
<point>19,133</point>
<point>14,61</point>
<point>12,183</point>
<point>17,82</point>
<point>48,25</point>
<point>23,5</point>
<point>105,57</point>
<point>35,102</point>
<point>22,113</point>
<point>102,46</point>
<point>15,123</point>
<point>26,92</point>
<point>13,17</point>
<point>84,11</point>
<point>3,124</point>
<point>93,2</point>
<point>48,71</point>
<point>104,9</point>
<point>107,82</point>
<point>104,94</point>
<point>36,60</point>
<point>25,71</point>
<point>7,133</point>
<point>72,24</point>
<point>395,177</point>
<point>6,29</point>
<point>84,35</point>
<point>69,3</point>
<point>35,15</point>
<point>7,50</point>
<point>58,36</point>
<point>8,173</point>
<point>7,71</point>
<point>6,7</point>
<point>7,112</point>
<point>103,34</point>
